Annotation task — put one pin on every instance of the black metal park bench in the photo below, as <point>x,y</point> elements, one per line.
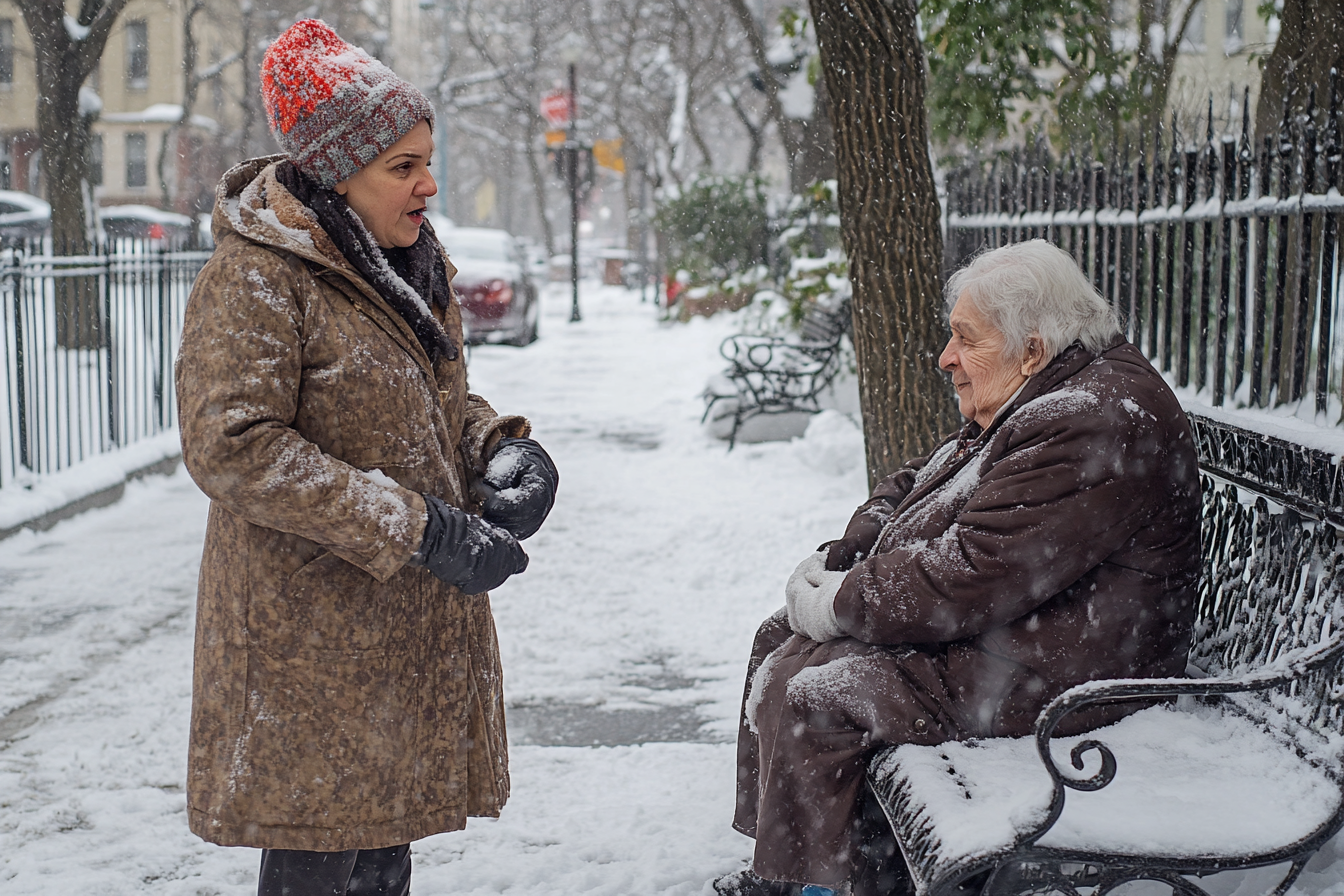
<point>779,375</point>
<point>1242,770</point>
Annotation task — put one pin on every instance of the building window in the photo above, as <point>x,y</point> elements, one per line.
<point>1193,39</point>
<point>6,52</point>
<point>137,160</point>
<point>137,54</point>
<point>95,160</point>
<point>1234,33</point>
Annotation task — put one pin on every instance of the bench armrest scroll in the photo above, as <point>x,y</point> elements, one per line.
<point>1293,665</point>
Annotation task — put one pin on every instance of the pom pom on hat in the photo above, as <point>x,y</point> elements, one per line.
<point>332,107</point>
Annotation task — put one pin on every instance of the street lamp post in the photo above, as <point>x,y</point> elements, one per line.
<point>572,148</point>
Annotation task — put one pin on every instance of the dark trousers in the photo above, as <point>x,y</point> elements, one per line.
<point>820,711</point>
<point>352,872</point>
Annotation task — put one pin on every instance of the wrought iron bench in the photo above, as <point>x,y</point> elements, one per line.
<point>778,375</point>
<point>1242,771</point>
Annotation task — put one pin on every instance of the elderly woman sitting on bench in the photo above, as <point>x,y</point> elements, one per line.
<point>1053,540</point>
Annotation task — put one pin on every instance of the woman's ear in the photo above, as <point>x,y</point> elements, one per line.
<point>342,188</point>
<point>1034,358</point>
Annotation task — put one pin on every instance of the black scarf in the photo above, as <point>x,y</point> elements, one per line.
<point>392,272</point>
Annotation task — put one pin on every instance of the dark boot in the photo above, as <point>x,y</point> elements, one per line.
<point>381,872</point>
<point>303,872</point>
<point>351,872</point>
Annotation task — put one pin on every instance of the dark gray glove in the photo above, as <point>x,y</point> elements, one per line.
<point>464,550</point>
<point>519,486</point>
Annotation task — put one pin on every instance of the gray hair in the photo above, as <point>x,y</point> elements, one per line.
<point>1035,289</point>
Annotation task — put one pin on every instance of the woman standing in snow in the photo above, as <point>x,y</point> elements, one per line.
<point>347,689</point>
<point>1054,540</point>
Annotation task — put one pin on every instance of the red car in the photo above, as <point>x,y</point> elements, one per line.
<point>499,300</point>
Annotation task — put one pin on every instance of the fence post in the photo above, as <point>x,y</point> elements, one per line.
<point>1245,172</point>
<point>1226,184</point>
<point>1285,169</point>
<point>1189,192</point>
<point>21,374</point>
<point>159,368</point>
<point>1306,184</point>
<point>1208,173</point>
<point>1171,202</point>
<point>1331,152</point>
<point>113,405</point>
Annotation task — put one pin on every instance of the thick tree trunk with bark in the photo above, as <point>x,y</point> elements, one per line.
<point>1311,41</point>
<point>889,217</point>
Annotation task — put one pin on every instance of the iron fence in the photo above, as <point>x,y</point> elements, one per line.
<point>1221,255</point>
<point>87,345</point>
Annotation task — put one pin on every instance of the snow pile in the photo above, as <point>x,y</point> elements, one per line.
<point>832,444</point>
<point>22,501</point>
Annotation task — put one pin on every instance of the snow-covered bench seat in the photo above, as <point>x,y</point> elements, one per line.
<point>1244,769</point>
<point>773,375</point>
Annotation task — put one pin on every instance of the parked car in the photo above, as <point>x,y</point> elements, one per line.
<point>22,217</point>
<point>144,222</point>
<point>499,299</point>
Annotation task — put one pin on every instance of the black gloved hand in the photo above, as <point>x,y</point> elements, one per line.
<point>464,550</point>
<point>519,486</point>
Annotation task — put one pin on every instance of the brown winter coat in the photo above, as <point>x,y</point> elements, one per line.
<point>1059,546</point>
<point>341,699</point>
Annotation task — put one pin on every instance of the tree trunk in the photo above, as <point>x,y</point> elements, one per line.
<point>889,218</point>
<point>65,139</point>
<point>63,63</point>
<point>1311,41</point>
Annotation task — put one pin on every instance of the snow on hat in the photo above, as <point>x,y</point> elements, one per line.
<point>332,107</point>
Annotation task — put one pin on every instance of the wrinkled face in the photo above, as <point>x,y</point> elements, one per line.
<point>984,374</point>
<point>389,193</point>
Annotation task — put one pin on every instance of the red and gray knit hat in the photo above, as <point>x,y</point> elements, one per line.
<point>332,107</point>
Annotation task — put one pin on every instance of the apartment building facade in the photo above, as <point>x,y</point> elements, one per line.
<point>139,84</point>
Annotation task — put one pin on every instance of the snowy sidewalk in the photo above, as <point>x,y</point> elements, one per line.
<point>630,630</point>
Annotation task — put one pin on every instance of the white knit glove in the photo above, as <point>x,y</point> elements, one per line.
<point>810,595</point>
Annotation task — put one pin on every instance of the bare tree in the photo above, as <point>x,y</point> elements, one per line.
<point>67,49</point>
<point>809,145</point>
<point>889,217</point>
<point>504,76</point>
<point>193,78</point>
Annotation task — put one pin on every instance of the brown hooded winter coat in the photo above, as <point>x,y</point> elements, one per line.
<point>341,699</point>
<point>1058,546</point>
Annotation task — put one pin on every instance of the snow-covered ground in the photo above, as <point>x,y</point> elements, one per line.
<point>630,630</point>
<point>624,643</point>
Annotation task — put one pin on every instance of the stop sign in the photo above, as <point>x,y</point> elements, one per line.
<point>556,107</point>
